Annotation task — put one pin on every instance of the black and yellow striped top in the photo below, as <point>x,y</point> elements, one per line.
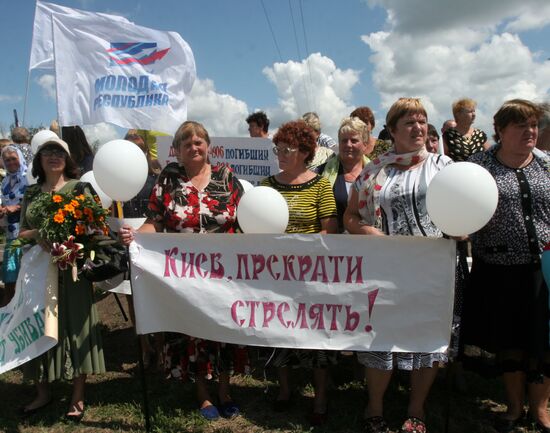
<point>308,203</point>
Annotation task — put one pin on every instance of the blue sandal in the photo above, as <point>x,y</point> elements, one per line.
<point>209,413</point>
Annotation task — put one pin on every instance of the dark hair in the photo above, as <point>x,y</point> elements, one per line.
<point>260,118</point>
<point>432,131</point>
<point>76,139</point>
<point>71,170</point>
<point>298,133</point>
<point>365,114</point>
<point>515,111</point>
<point>385,134</point>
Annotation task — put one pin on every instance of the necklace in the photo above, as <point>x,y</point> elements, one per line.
<point>514,164</point>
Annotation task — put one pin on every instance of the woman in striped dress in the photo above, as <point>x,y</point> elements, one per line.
<point>312,209</point>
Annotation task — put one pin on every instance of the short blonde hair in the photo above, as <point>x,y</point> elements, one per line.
<point>312,119</point>
<point>356,126</point>
<point>187,129</point>
<point>402,107</point>
<point>463,104</point>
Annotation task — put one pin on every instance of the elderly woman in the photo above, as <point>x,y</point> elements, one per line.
<point>177,205</point>
<point>342,170</point>
<point>325,143</point>
<point>13,190</point>
<point>79,350</point>
<point>506,305</point>
<point>389,198</point>
<point>464,140</point>
<point>311,209</point>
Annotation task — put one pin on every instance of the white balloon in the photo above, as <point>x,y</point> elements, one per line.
<point>246,185</point>
<point>263,210</point>
<point>89,177</point>
<point>462,198</point>
<point>31,180</point>
<point>41,137</point>
<point>120,168</point>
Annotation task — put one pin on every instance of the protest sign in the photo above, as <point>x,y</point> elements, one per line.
<point>338,292</point>
<point>250,159</point>
<point>28,324</point>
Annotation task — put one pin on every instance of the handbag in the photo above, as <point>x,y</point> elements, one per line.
<point>110,258</point>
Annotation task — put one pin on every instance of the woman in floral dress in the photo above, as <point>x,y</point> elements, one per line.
<point>191,196</point>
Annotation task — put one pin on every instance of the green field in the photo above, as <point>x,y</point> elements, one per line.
<point>114,400</point>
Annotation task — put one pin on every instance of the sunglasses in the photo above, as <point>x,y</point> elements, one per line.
<point>58,153</point>
<point>284,150</point>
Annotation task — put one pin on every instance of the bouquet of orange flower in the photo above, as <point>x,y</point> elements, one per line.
<point>75,226</point>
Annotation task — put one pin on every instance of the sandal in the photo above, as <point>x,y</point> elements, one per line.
<point>75,417</point>
<point>376,424</point>
<point>413,425</point>
<point>210,412</point>
<point>229,409</point>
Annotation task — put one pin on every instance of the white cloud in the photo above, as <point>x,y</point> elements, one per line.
<point>47,83</point>
<point>221,114</point>
<point>100,133</point>
<point>460,54</point>
<point>10,98</point>
<point>426,16</point>
<point>314,84</point>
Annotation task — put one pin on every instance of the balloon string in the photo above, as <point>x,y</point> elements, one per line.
<point>119,209</point>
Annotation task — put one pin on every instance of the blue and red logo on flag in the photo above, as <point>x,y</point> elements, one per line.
<point>127,53</point>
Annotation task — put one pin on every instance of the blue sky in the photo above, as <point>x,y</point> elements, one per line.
<point>361,52</point>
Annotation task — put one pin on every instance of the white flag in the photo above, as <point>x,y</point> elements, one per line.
<point>42,35</point>
<point>110,71</point>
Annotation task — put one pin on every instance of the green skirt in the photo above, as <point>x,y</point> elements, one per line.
<point>79,349</point>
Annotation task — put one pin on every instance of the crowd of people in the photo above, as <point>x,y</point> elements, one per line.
<point>356,184</point>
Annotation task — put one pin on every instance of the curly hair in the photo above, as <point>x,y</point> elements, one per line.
<point>365,114</point>
<point>298,134</point>
<point>354,125</point>
<point>260,119</point>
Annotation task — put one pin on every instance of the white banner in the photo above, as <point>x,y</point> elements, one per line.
<point>28,324</point>
<point>42,34</point>
<point>341,292</point>
<point>117,72</point>
<point>250,159</point>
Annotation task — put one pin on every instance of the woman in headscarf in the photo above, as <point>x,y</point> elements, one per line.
<point>13,190</point>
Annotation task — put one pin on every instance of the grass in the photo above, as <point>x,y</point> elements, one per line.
<point>114,400</point>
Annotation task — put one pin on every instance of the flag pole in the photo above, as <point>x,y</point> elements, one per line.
<point>144,390</point>
<point>29,71</point>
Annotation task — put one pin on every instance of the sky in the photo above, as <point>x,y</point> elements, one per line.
<point>287,57</point>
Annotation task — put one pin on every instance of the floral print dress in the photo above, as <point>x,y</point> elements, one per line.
<point>182,208</point>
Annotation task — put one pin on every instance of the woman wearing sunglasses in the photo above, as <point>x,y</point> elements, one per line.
<point>312,209</point>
